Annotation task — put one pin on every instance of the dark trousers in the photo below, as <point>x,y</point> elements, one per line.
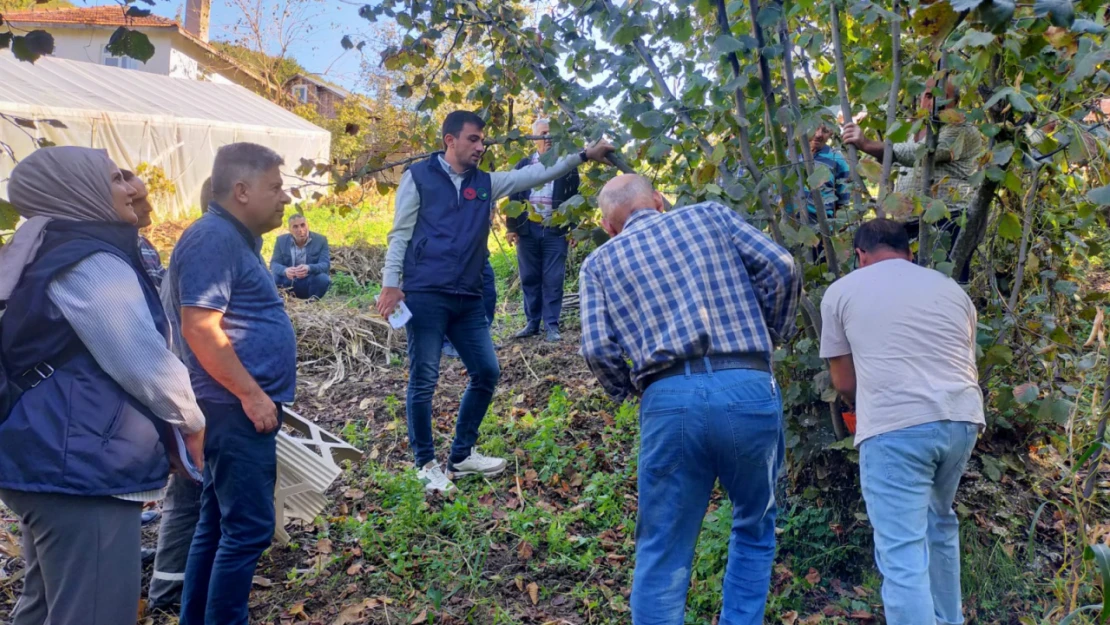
<point>489,298</point>
<point>180,513</point>
<point>315,285</point>
<point>236,517</point>
<point>462,319</point>
<point>542,256</point>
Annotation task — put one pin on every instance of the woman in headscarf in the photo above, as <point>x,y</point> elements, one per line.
<point>92,389</point>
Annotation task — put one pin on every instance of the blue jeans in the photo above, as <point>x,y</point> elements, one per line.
<point>236,517</point>
<point>462,319</point>
<point>489,299</point>
<point>909,480</point>
<point>315,285</point>
<point>694,430</point>
<point>542,256</point>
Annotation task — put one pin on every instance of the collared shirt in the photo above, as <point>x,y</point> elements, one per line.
<point>152,261</point>
<point>216,265</point>
<point>542,198</point>
<point>696,281</point>
<point>835,193</point>
<point>502,183</point>
<point>300,252</point>
<point>959,147</point>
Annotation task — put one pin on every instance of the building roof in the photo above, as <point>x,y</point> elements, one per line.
<point>114,16</point>
<point>320,82</point>
<point>111,15</point>
<point>53,87</point>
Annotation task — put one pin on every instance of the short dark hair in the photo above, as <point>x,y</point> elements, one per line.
<point>882,233</point>
<point>455,121</point>
<point>237,162</point>
<point>295,217</point>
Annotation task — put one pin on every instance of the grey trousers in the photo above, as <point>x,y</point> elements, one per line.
<point>83,563</point>
<point>180,512</point>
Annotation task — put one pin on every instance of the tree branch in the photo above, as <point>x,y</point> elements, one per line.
<point>742,134</point>
<point>891,107</point>
<point>859,189</point>
<point>831,257</point>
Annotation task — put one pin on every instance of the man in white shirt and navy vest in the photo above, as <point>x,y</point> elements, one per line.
<point>438,244</point>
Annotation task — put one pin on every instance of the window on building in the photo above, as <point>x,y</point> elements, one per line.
<point>300,93</point>
<point>124,62</point>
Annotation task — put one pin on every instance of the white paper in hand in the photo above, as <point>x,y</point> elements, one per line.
<point>186,460</point>
<point>400,315</point>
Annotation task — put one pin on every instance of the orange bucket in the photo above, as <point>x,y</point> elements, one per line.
<point>849,421</point>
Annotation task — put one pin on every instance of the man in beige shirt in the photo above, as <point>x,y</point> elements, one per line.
<point>900,340</point>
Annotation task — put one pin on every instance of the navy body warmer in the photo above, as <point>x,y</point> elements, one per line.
<point>74,430</point>
<point>448,248</point>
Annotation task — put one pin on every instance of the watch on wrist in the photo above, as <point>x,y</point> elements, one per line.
<point>582,155</point>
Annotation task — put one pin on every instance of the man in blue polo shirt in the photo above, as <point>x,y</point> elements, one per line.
<point>439,244</point>
<point>242,356</point>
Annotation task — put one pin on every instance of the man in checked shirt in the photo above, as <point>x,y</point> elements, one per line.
<point>696,298</point>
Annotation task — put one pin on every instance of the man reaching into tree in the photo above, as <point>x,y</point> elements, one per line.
<point>900,340</point>
<point>438,244</point>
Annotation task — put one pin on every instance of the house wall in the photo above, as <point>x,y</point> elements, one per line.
<point>325,100</point>
<point>87,43</point>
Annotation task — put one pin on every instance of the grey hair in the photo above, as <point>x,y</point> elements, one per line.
<point>239,162</point>
<point>295,217</point>
<point>628,191</point>
<point>536,124</point>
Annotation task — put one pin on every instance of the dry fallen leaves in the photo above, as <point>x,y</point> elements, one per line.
<point>356,613</point>
<point>261,582</point>
<point>421,618</point>
<point>813,577</point>
<point>524,550</point>
<point>534,593</point>
<point>354,569</point>
<point>789,618</point>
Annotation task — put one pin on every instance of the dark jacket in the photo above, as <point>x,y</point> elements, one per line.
<point>448,249</point>
<point>564,188</point>
<point>74,430</point>
<point>317,254</point>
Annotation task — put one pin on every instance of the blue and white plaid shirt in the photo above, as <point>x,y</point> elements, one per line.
<point>696,281</point>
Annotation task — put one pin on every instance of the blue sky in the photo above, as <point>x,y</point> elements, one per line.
<point>321,53</point>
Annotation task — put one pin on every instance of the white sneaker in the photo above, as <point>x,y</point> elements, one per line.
<point>478,464</point>
<point>435,480</point>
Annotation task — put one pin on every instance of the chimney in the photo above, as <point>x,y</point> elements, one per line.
<point>196,18</point>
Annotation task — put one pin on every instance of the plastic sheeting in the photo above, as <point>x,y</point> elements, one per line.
<point>138,117</point>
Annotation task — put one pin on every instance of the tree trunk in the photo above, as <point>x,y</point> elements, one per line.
<point>891,106</point>
<point>859,189</point>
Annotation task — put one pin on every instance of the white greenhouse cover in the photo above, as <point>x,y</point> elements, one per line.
<point>174,123</point>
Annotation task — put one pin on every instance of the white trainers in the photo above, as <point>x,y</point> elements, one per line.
<point>435,480</point>
<point>478,464</point>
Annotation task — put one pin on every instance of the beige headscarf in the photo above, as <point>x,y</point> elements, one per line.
<point>69,183</point>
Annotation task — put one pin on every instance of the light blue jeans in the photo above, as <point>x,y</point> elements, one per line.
<point>909,480</point>
<point>695,430</point>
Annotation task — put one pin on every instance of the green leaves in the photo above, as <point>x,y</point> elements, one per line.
<point>726,44</point>
<point>936,211</point>
<point>820,176</point>
<point>30,47</point>
<point>1100,196</point>
<point>999,355</point>
<point>996,14</point>
<point>1059,12</point>
<point>974,39</point>
<point>874,89</point>
<point>8,216</point>
<point>1015,98</point>
<point>1026,393</point>
<point>132,43</point>
<point>1009,226</point>
<point>1101,555</point>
